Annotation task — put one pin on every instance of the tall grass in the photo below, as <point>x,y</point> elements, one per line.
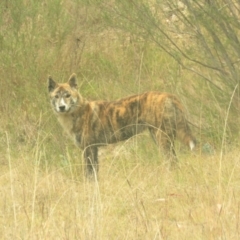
<point>44,192</point>
<point>136,197</point>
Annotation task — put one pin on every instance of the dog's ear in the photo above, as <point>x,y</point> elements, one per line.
<point>73,81</point>
<point>51,84</point>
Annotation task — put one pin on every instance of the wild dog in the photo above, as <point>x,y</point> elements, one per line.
<point>95,123</point>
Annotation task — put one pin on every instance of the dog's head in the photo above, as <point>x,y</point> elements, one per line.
<point>63,96</point>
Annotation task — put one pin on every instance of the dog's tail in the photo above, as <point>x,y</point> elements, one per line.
<point>174,110</point>
<point>184,133</point>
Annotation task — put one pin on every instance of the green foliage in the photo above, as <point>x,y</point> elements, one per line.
<point>202,37</point>
<point>118,48</point>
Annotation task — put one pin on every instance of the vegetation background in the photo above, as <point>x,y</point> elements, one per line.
<point>117,48</point>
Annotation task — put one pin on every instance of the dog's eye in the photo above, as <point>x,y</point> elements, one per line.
<point>67,95</point>
<point>56,96</point>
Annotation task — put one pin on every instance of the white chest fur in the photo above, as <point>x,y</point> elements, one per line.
<point>67,123</point>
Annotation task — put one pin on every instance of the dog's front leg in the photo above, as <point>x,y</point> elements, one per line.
<point>91,161</point>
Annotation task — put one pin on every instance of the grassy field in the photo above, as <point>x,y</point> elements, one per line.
<point>137,196</point>
<point>44,192</point>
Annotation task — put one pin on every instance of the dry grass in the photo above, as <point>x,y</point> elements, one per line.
<point>44,193</point>
<point>135,197</point>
